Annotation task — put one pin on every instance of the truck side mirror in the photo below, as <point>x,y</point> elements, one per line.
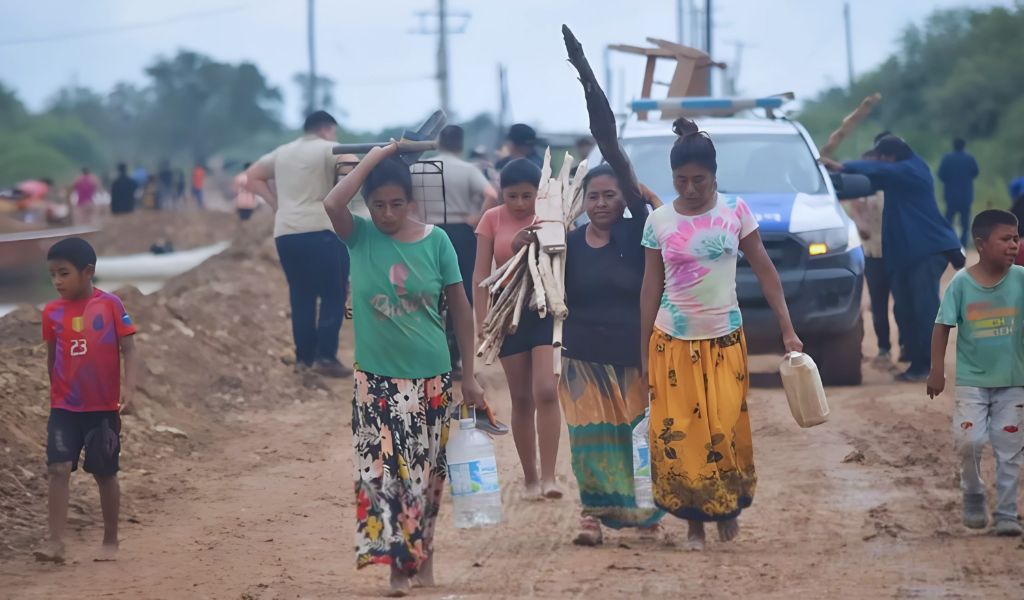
<point>849,186</point>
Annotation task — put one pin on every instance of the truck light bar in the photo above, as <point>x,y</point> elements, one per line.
<point>710,106</point>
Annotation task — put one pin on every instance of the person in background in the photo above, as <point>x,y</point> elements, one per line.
<point>985,303</point>
<point>122,192</point>
<point>957,171</point>
<point>85,188</point>
<point>140,175</point>
<point>467,195</point>
<point>917,243</point>
<point>87,333</point>
<point>165,187</point>
<point>584,147</point>
<point>867,215</point>
<point>198,181</point>
<point>315,261</point>
<point>527,356</point>
<point>1016,189</point>
<point>245,201</point>
<point>521,142</point>
<point>402,402</point>
<point>478,156</point>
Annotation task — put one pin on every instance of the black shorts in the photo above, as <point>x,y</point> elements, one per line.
<point>533,332</point>
<point>245,213</point>
<point>99,433</point>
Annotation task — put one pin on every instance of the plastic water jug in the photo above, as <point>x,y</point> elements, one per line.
<point>473,475</point>
<point>804,391</point>
<point>642,488</point>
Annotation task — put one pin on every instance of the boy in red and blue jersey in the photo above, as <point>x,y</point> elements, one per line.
<point>87,331</point>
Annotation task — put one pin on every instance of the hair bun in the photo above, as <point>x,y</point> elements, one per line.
<point>683,126</point>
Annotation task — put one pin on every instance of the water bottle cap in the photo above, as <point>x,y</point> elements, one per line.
<point>465,424</point>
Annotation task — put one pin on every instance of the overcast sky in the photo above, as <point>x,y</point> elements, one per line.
<point>384,72</point>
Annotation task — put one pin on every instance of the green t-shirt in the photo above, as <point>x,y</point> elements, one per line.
<point>989,345</point>
<point>396,295</point>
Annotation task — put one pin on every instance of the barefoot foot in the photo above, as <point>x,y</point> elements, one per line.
<point>107,553</point>
<point>50,551</point>
<point>589,533</point>
<point>728,530</point>
<point>551,490</point>
<point>533,490</point>
<point>695,538</point>
<point>424,578</point>
<point>400,584</point>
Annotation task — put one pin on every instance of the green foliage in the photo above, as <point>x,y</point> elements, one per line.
<point>958,75</point>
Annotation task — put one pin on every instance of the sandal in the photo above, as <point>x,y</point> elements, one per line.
<point>589,533</point>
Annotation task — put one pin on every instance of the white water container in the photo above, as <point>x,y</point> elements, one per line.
<point>804,391</point>
<point>643,490</point>
<point>473,475</point>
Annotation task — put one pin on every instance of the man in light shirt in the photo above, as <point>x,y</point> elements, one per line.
<point>315,262</point>
<point>467,194</point>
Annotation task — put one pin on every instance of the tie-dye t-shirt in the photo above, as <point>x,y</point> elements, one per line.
<point>396,299</point>
<point>87,357</point>
<point>700,255</point>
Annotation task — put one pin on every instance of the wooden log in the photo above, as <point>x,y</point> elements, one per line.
<point>520,301</point>
<point>557,354</point>
<point>556,303</point>
<point>538,285</point>
<point>502,304</point>
<point>556,338</point>
<point>500,271</point>
<point>550,216</point>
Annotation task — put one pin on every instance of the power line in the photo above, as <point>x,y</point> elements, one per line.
<point>84,33</point>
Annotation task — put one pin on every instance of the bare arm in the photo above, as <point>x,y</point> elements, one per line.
<point>258,177</point>
<point>462,320</point>
<point>337,200</point>
<point>762,266</point>
<point>650,300</point>
<point>937,376</point>
<point>481,271</point>
<point>131,370</point>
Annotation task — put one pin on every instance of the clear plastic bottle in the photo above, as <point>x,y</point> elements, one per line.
<point>473,475</point>
<point>642,488</point>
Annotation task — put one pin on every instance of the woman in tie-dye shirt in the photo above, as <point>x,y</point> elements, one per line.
<point>692,345</point>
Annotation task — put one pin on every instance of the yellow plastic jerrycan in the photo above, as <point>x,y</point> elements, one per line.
<point>806,396</point>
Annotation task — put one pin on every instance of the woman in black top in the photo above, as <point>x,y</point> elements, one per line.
<point>602,391</point>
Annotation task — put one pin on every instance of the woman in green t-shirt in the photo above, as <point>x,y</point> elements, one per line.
<point>401,411</point>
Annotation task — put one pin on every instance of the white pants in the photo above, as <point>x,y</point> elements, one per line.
<point>993,415</point>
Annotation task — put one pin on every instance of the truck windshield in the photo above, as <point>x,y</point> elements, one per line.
<point>747,164</point>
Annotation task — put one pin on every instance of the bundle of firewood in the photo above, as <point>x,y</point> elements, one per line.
<point>534,279</point>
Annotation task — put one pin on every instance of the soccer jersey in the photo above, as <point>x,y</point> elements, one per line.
<point>86,373</point>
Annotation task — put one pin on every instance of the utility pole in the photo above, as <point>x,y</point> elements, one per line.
<point>311,84</point>
<point>709,30</point>
<point>503,104</point>
<point>680,38</point>
<point>849,45</point>
<point>442,31</point>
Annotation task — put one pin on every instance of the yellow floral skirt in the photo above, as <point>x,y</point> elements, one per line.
<point>702,455</point>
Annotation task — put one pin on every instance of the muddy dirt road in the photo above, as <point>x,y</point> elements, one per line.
<point>865,506</point>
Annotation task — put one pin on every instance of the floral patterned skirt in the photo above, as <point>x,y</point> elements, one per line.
<point>399,431</point>
<point>602,404</point>
<point>702,455</point>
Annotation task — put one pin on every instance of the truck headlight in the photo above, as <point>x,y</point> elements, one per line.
<point>827,241</point>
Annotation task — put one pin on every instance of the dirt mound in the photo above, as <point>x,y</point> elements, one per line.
<point>137,231</point>
<point>213,342</point>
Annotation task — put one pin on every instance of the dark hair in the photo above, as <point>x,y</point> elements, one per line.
<point>452,139</point>
<point>882,134</point>
<point>601,170</point>
<point>693,146</point>
<point>317,120</point>
<point>520,170</point>
<point>891,145</point>
<point>390,171</point>
<point>122,168</point>
<point>987,220</point>
<point>74,250</point>
<point>959,144</point>
<point>522,134</point>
